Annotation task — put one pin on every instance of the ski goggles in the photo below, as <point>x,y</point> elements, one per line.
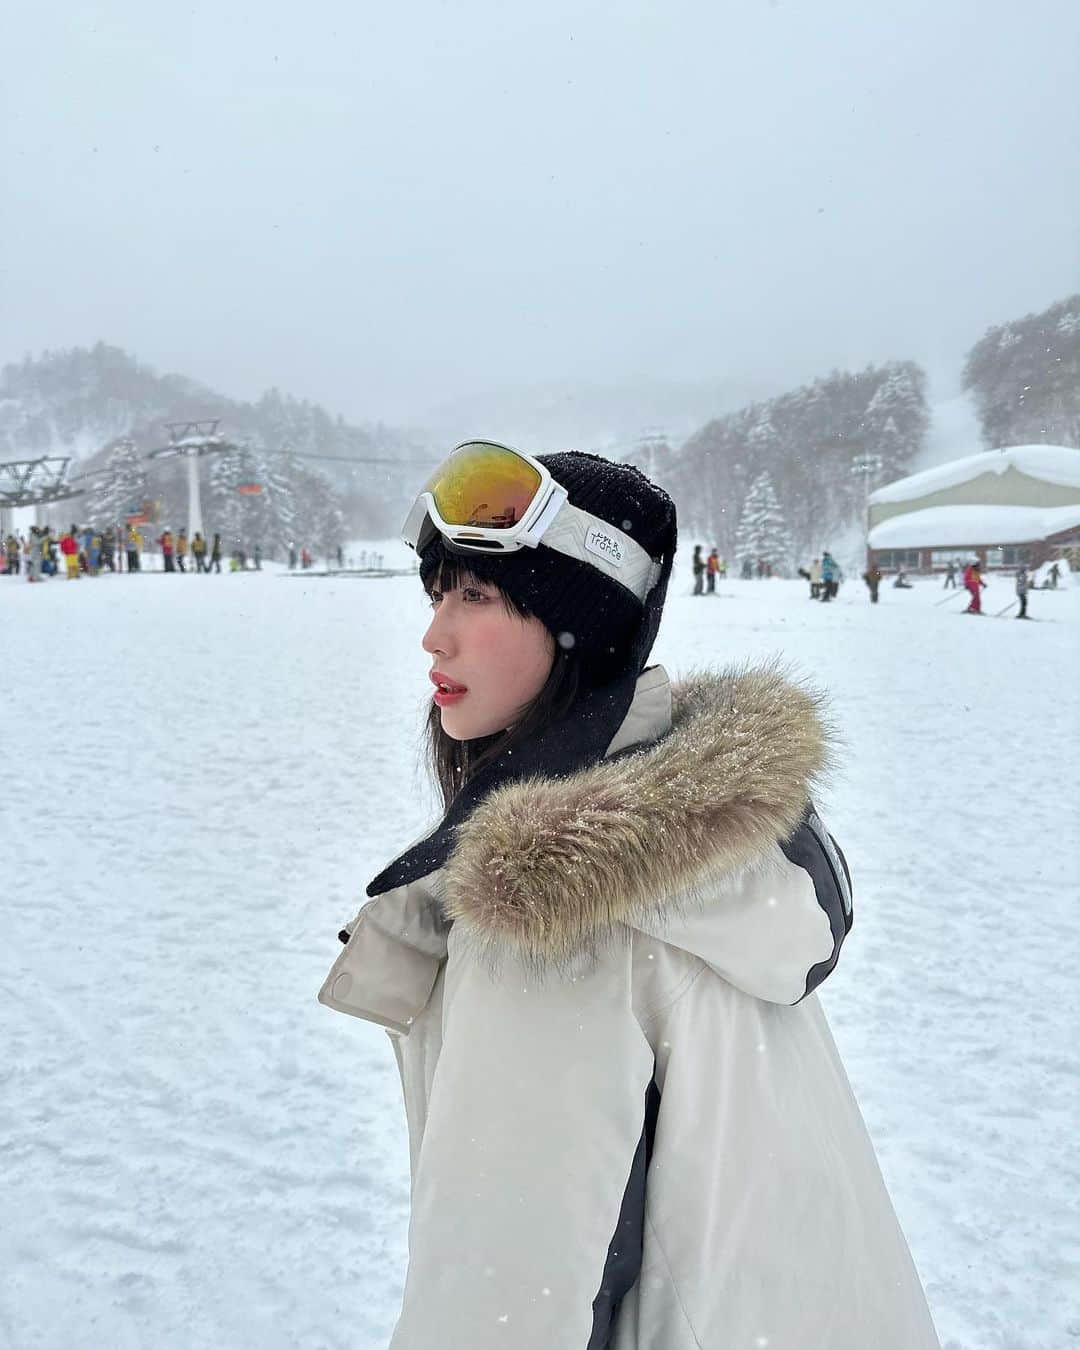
<point>489,498</point>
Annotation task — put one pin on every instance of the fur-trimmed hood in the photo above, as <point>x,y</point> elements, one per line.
<point>552,867</point>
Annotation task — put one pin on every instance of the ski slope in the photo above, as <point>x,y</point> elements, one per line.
<point>202,774</point>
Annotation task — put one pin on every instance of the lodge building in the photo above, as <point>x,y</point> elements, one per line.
<point>1020,504</point>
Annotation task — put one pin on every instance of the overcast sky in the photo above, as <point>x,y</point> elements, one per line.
<point>385,206</point>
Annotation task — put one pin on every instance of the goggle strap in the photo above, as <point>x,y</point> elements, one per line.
<point>589,539</point>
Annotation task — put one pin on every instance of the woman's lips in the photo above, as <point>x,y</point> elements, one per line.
<point>447,691</point>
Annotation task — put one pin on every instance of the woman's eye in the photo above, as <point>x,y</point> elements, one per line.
<point>434,597</point>
<point>472,595</point>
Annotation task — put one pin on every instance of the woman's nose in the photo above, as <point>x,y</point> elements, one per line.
<point>438,640</point>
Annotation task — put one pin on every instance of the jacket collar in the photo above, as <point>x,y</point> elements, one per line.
<point>700,779</point>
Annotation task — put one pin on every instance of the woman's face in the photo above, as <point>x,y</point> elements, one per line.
<point>490,662</point>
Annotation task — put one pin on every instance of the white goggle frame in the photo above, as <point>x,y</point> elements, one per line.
<point>550,518</point>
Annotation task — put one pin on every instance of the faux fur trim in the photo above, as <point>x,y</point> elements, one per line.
<point>551,867</point>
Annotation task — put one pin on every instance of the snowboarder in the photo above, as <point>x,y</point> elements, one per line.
<point>815,579</point>
<point>872,577</point>
<point>901,583</point>
<point>1022,585</point>
<point>697,565</point>
<point>1054,576</point>
<point>974,585</point>
<point>682,1152</point>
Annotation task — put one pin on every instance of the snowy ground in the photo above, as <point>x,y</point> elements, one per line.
<point>203,773</point>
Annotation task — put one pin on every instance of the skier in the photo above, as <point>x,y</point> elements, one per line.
<point>1022,585</point>
<point>830,576</point>
<point>1055,576</point>
<point>974,585</point>
<point>48,567</point>
<point>33,555</point>
<point>215,556</point>
<point>950,576</point>
<point>698,567</point>
<point>292,556</point>
<point>166,542</point>
<point>628,1122</point>
<point>198,552</point>
<point>872,577</point>
<point>134,546</point>
<point>181,550</point>
<point>257,554</point>
<point>815,579</point>
<point>712,570</point>
<point>69,547</point>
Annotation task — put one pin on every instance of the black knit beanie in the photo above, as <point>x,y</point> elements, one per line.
<point>585,610</point>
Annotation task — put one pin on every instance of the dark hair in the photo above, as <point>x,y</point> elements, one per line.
<point>454,762</point>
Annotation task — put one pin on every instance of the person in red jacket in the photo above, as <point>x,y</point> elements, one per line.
<point>975,584</point>
<point>69,547</point>
<point>167,547</point>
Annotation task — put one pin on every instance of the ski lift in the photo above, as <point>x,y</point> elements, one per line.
<point>249,485</point>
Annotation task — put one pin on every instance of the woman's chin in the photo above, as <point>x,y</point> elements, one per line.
<point>461,726</point>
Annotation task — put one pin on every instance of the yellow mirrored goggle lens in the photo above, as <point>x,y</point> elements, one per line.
<point>484,485</point>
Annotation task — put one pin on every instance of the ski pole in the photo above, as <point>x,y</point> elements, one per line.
<point>1005,610</point>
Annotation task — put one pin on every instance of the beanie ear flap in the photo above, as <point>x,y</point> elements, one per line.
<point>654,610</point>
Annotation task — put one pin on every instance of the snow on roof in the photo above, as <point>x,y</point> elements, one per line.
<point>1054,463</point>
<point>967,526</point>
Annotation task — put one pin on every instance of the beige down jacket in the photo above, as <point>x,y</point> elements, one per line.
<point>629,1126</point>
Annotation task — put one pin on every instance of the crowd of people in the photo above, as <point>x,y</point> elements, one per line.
<point>85,551</point>
<point>825,575</point>
<point>37,554</point>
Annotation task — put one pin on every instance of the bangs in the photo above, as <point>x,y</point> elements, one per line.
<point>443,570</point>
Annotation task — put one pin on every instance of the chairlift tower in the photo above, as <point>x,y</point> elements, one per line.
<point>193,441</point>
<point>33,482</point>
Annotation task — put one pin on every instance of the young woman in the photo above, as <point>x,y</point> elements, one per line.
<point>629,1126</point>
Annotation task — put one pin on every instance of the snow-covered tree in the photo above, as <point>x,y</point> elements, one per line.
<point>762,535</point>
<point>1025,378</point>
<point>122,487</point>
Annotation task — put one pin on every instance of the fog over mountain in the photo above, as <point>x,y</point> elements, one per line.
<point>412,213</point>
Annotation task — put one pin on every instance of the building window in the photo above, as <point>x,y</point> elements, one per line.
<point>1009,555</point>
<point>942,557</point>
<point>887,558</point>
